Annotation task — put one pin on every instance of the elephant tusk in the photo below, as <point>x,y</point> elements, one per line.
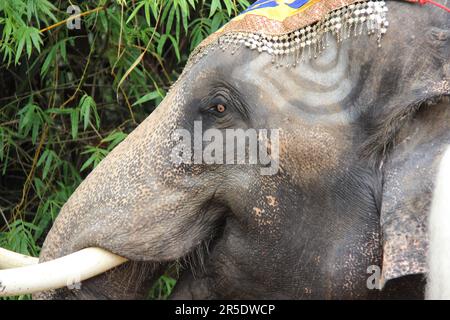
<point>438,280</point>
<point>10,259</point>
<point>65,271</point>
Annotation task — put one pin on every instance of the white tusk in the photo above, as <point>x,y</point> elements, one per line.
<point>438,280</point>
<point>58,273</point>
<point>10,259</point>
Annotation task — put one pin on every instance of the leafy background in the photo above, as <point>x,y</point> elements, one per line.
<point>68,97</point>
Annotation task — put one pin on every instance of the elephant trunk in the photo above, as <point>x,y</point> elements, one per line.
<point>136,205</point>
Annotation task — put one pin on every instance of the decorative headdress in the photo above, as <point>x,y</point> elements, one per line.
<point>300,29</point>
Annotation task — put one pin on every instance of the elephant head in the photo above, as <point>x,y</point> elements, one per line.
<point>354,129</point>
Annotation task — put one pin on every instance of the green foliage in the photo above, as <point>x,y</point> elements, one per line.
<point>162,288</point>
<point>68,97</point>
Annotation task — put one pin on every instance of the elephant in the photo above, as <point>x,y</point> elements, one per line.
<point>362,127</point>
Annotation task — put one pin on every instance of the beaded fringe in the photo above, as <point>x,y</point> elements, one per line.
<point>310,41</point>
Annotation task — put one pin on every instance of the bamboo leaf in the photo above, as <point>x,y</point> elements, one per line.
<point>148,97</point>
<point>74,119</point>
<point>215,5</point>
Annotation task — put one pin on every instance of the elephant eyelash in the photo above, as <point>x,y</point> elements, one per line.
<point>236,100</point>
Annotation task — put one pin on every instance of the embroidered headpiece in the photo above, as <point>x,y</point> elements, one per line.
<point>299,29</point>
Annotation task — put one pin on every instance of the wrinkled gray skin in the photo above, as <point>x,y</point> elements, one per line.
<point>354,130</point>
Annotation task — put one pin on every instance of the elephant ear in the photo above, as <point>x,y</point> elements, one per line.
<point>412,132</point>
<point>409,178</point>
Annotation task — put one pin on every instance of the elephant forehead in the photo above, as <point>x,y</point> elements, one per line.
<point>317,90</point>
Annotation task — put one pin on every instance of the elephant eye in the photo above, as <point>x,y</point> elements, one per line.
<point>218,108</point>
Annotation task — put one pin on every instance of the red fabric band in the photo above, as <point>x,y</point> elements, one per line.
<point>423,2</point>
